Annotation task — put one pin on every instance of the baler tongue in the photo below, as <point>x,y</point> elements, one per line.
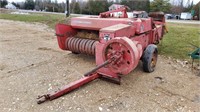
<point>88,77</point>
<point>68,88</point>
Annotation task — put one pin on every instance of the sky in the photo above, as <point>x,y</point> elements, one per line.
<point>194,1</point>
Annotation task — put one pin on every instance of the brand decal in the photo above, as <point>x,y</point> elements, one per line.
<point>81,22</point>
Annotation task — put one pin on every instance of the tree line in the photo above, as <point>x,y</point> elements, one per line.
<point>94,7</point>
<point>39,5</point>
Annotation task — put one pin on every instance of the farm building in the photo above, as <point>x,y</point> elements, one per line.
<point>10,6</point>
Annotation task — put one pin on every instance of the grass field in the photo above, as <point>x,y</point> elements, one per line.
<point>48,19</point>
<point>175,43</point>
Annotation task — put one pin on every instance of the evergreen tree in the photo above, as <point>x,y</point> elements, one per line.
<point>196,9</point>
<point>3,3</point>
<point>77,9</point>
<point>137,4</point>
<point>29,4</point>
<point>97,6</point>
<point>16,4</point>
<point>160,5</point>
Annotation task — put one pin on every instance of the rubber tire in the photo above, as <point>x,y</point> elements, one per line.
<point>147,58</point>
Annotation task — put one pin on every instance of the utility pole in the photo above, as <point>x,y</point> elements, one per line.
<point>67,8</point>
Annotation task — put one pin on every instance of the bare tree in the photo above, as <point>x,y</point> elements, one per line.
<point>177,6</point>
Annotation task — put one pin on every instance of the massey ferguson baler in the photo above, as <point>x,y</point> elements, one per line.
<point>117,42</point>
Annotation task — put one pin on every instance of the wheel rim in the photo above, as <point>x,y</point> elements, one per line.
<point>154,60</point>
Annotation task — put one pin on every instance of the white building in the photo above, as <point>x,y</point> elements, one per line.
<point>115,6</point>
<point>10,6</point>
<point>186,16</point>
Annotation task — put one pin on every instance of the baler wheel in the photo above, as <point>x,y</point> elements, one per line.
<point>150,58</point>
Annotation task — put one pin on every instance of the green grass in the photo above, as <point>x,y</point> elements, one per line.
<point>174,44</point>
<point>50,19</point>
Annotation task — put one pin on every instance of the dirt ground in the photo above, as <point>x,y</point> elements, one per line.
<point>31,64</point>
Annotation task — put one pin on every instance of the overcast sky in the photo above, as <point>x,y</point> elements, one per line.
<point>195,1</point>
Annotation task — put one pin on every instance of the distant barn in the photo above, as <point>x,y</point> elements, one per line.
<point>10,6</point>
<point>115,6</point>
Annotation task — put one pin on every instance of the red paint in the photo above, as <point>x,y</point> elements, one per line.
<point>73,86</point>
<point>68,88</point>
<point>63,32</point>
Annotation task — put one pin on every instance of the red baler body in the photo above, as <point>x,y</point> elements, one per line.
<point>119,45</point>
<point>139,32</point>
